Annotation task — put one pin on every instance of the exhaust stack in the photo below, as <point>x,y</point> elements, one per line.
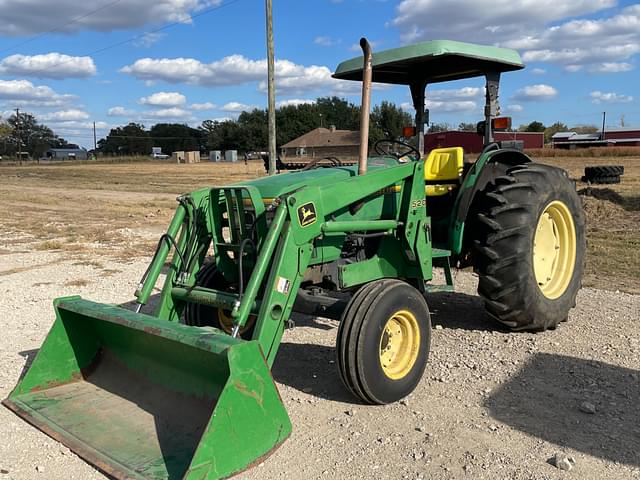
<point>365,106</point>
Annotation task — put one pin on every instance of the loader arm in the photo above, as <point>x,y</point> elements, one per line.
<point>296,221</point>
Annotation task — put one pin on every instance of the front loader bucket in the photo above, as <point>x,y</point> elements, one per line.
<point>145,398</point>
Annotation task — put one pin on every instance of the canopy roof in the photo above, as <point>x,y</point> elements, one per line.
<point>433,62</point>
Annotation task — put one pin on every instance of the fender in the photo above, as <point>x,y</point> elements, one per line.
<point>490,164</point>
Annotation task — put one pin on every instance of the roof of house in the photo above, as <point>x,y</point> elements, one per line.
<point>563,134</point>
<point>323,137</point>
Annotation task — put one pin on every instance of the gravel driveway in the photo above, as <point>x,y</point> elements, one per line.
<point>492,404</point>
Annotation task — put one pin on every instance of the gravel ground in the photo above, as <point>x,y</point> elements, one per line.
<point>492,404</point>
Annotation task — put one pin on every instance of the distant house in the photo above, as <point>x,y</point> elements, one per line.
<point>613,137</point>
<point>323,142</point>
<point>66,154</point>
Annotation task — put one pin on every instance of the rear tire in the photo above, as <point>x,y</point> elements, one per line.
<point>529,247</point>
<point>383,341</point>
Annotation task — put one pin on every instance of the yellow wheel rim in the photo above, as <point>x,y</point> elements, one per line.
<point>554,250</point>
<point>226,322</point>
<point>399,344</point>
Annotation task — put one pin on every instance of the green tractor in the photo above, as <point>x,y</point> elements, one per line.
<point>185,391</point>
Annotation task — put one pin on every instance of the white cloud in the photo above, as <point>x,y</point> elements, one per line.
<point>611,67</point>
<point>463,93</point>
<point>203,106</point>
<point>538,28</point>
<point>294,102</point>
<point>174,113</point>
<point>438,106</point>
<point>326,41</point>
<point>65,116</point>
<point>513,108</point>
<point>475,21</point>
<point>291,78</point>
<point>599,43</point>
<point>536,93</point>
<point>120,112</point>
<point>50,65</point>
<point>35,16</point>
<point>598,97</point>
<point>237,107</point>
<point>26,93</point>
<point>538,71</point>
<point>164,99</point>
<point>149,38</point>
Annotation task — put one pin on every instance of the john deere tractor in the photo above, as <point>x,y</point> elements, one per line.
<point>184,390</point>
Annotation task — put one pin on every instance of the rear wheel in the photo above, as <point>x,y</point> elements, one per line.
<point>199,315</point>
<point>529,247</point>
<point>383,341</point>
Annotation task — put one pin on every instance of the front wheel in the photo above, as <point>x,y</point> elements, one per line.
<point>529,247</point>
<point>383,341</point>
<point>200,315</point>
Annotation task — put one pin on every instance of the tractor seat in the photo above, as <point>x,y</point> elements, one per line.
<point>443,170</point>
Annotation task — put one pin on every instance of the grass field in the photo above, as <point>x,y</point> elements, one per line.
<point>120,209</point>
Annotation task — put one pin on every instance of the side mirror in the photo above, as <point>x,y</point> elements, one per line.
<point>481,128</point>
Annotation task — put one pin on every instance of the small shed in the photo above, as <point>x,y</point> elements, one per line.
<point>66,154</point>
<point>178,157</point>
<point>192,157</point>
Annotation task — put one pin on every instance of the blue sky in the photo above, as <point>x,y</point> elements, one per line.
<point>115,61</point>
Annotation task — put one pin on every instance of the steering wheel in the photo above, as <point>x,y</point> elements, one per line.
<point>409,149</point>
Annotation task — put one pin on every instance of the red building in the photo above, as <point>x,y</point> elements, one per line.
<point>471,142</point>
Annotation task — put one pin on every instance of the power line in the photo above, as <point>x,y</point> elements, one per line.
<point>60,28</point>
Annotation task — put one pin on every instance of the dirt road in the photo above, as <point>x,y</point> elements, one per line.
<point>491,405</point>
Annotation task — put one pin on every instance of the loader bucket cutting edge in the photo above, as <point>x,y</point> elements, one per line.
<point>145,398</point>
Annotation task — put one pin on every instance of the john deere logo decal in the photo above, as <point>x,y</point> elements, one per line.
<point>307,214</point>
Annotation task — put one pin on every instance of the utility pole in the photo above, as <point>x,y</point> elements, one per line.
<point>604,119</point>
<point>19,136</point>
<point>271,89</point>
<point>94,138</point>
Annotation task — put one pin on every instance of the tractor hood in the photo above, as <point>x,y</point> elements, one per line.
<point>273,186</point>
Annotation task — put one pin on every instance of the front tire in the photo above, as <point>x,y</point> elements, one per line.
<point>383,341</point>
<point>200,315</point>
<point>529,247</point>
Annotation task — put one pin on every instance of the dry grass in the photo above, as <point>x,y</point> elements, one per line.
<point>104,209</point>
<point>593,152</point>
<point>613,223</point>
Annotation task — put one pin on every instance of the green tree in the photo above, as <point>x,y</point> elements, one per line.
<point>173,137</point>
<point>585,129</point>
<point>467,127</point>
<point>338,112</point>
<point>439,127</point>
<point>535,126</point>
<point>553,129</point>
<point>132,139</point>
<point>28,135</point>
<point>387,121</point>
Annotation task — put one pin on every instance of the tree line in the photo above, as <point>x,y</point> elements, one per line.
<point>249,132</point>
<point>23,133</point>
